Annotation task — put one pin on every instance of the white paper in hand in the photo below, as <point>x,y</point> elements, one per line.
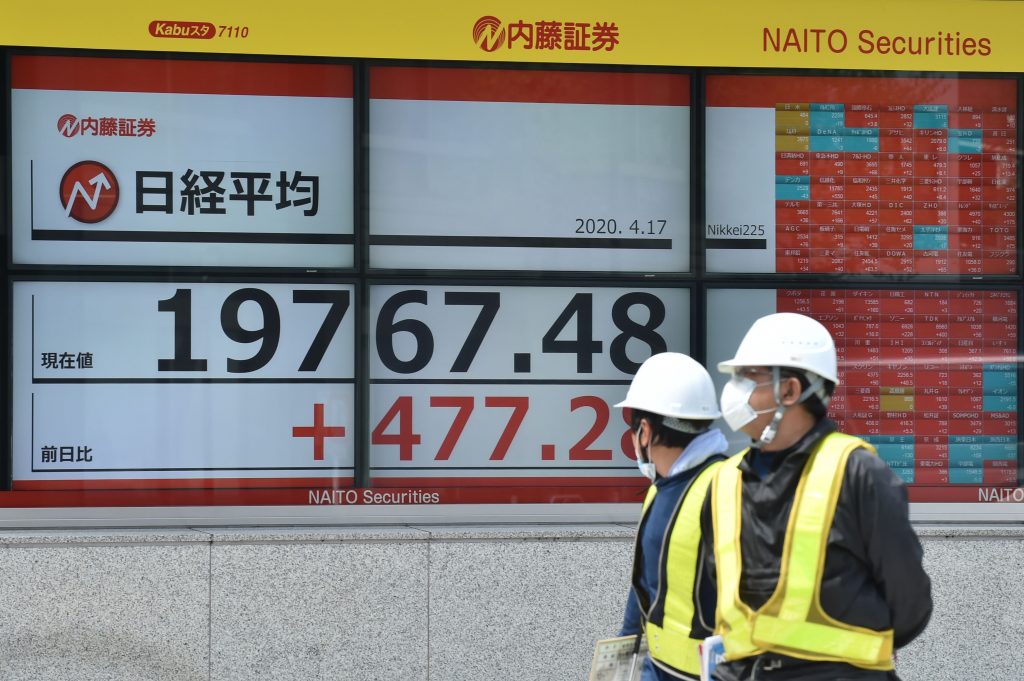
<point>618,659</point>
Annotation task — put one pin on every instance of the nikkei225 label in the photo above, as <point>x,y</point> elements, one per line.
<point>481,381</point>
<point>182,380</point>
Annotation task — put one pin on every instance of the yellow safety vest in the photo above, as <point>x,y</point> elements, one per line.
<point>670,643</point>
<point>792,621</point>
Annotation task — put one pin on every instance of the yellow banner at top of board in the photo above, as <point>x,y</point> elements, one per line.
<point>900,35</point>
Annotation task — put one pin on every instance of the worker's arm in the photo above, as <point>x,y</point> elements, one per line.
<point>631,621</point>
<point>893,549</point>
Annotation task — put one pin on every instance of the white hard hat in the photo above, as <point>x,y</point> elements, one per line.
<point>790,340</point>
<point>675,385</point>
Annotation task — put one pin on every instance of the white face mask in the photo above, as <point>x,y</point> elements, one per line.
<point>646,467</point>
<point>735,402</point>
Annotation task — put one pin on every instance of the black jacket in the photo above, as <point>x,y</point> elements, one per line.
<point>873,573</point>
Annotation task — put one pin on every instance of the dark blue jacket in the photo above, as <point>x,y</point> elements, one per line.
<point>650,535</point>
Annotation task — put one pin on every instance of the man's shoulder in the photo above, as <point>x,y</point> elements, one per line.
<point>866,464</point>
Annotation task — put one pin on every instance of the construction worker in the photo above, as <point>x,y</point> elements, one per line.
<point>807,537</point>
<point>673,404</point>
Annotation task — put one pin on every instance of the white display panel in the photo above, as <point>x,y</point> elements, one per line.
<point>153,162</point>
<point>740,189</point>
<point>498,394</point>
<point>152,382</point>
<point>515,170</point>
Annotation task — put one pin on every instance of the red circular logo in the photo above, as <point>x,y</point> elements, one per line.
<point>88,192</point>
<point>488,33</point>
<point>69,125</point>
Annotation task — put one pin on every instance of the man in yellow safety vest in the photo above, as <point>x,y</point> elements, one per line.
<point>673,404</point>
<point>817,568</point>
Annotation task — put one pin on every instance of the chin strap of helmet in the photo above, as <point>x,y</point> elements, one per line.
<point>816,387</point>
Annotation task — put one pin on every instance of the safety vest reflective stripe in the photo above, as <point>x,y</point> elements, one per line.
<point>670,643</point>
<point>792,622</point>
<point>732,616</point>
<point>831,643</point>
<point>812,513</point>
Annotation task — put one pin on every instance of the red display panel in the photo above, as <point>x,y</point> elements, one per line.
<point>929,377</point>
<point>862,175</point>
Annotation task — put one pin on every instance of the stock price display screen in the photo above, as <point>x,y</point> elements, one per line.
<point>182,393</point>
<point>928,376</point>
<point>503,394</point>
<point>529,170</point>
<point>824,175</point>
<point>181,162</point>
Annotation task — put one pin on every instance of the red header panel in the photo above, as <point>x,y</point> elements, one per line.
<point>181,76</point>
<point>768,91</point>
<point>551,87</point>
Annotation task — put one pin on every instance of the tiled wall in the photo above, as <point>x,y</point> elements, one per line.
<point>437,603</point>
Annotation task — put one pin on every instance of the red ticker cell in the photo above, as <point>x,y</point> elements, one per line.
<point>931,216</point>
<point>966,403</point>
<point>997,143</point>
<point>863,264</point>
<point>797,216</point>
<point>863,354</point>
<point>863,245</point>
<point>998,476</point>
<point>828,192</point>
<point>896,216</point>
<point>821,263</point>
<point>932,402</point>
<point>930,144</point>
<point>863,426</point>
<point>864,329</point>
<point>932,379</point>
<point>824,235</point>
<point>861,402</point>
<point>861,305</point>
<point>998,193</point>
<point>992,266</point>
<point>924,426</point>
<point>1000,302</point>
<point>896,238</point>
<point>930,169</point>
<point>789,244</point>
<point>863,192</point>
<point>897,306</point>
<point>1001,168</point>
<point>999,243</point>
<point>904,377</point>
<point>891,426</point>
<point>967,120</point>
<point>930,329</point>
<point>1000,119</point>
<point>1006,425</point>
<point>932,264</point>
<point>862,216</point>
<point>863,377</point>
<point>931,475</point>
<point>930,454</point>
<point>792,264</point>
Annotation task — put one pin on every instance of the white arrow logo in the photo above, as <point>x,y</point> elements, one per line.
<point>99,183</point>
